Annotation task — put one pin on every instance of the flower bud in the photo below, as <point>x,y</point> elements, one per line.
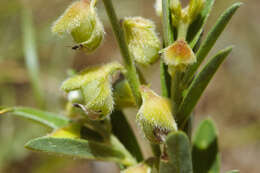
<point>155,116</point>
<point>123,94</point>
<point>176,11</point>
<point>179,55</point>
<point>195,7</point>
<point>81,21</point>
<point>142,40</point>
<point>91,90</point>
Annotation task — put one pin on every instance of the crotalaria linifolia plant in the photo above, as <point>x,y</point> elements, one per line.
<point>95,126</point>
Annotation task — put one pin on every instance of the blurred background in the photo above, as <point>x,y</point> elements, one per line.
<point>232,98</point>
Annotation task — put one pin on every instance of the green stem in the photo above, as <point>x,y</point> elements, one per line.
<point>168,39</point>
<point>182,30</point>
<point>129,160</point>
<point>123,131</point>
<point>167,27</point>
<point>176,92</point>
<point>131,74</point>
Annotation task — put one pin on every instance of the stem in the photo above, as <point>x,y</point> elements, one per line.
<point>168,39</point>
<point>182,30</point>
<point>129,160</point>
<point>131,74</point>
<point>176,93</point>
<point>167,27</point>
<point>123,131</point>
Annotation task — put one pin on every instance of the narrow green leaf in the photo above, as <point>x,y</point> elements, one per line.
<point>165,80</point>
<point>30,54</point>
<point>205,147</point>
<point>196,27</point>
<point>79,148</point>
<point>233,171</point>
<point>199,84</point>
<point>211,39</point>
<point>179,154</point>
<point>45,118</point>
<point>125,134</point>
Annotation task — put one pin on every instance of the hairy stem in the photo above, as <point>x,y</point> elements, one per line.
<point>132,75</point>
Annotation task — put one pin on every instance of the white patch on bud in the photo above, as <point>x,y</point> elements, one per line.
<point>75,96</point>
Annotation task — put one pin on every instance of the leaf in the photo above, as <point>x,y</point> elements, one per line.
<point>178,150</point>
<point>30,54</point>
<point>196,27</point>
<point>199,85</point>
<point>205,147</point>
<point>123,131</point>
<point>45,118</point>
<point>79,148</point>
<point>211,39</point>
<point>233,171</point>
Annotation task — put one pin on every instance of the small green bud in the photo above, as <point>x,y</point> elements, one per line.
<point>142,40</point>
<point>185,15</point>
<point>155,116</point>
<point>91,90</point>
<point>82,22</point>
<point>178,55</point>
<point>195,7</point>
<point>123,94</point>
<point>176,11</point>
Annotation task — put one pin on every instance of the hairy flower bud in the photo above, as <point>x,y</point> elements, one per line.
<point>142,40</point>
<point>178,55</point>
<point>91,90</point>
<point>155,116</point>
<point>81,21</point>
<point>123,94</point>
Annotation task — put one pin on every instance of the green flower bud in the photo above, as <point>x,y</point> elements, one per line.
<point>178,55</point>
<point>142,40</point>
<point>176,11</point>
<point>140,168</point>
<point>91,90</point>
<point>195,7</point>
<point>155,116</point>
<point>185,15</point>
<point>81,21</point>
<point>123,94</point>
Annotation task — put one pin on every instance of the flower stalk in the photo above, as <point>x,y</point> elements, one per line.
<point>131,75</point>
